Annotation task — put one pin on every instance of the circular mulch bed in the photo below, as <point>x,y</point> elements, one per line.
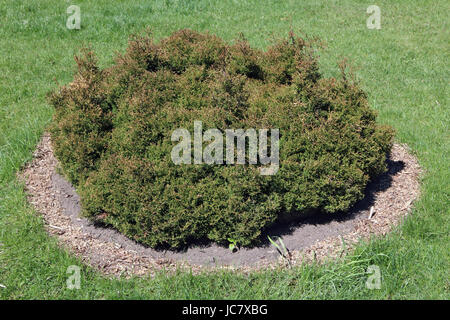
<point>387,201</point>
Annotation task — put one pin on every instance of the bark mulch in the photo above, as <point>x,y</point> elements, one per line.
<point>388,201</point>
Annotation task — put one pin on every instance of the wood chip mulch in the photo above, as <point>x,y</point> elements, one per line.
<point>390,207</point>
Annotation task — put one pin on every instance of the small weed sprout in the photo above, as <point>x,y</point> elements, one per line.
<point>282,249</point>
<point>233,246</point>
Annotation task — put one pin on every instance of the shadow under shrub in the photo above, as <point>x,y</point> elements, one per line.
<point>112,133</point>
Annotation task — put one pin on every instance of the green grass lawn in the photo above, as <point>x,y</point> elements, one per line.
<point>404,67</point>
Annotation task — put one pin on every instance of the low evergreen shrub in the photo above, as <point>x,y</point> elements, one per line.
<point>112,132</point>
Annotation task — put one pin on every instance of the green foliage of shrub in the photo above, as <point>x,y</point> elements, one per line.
<point>112,133</point>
